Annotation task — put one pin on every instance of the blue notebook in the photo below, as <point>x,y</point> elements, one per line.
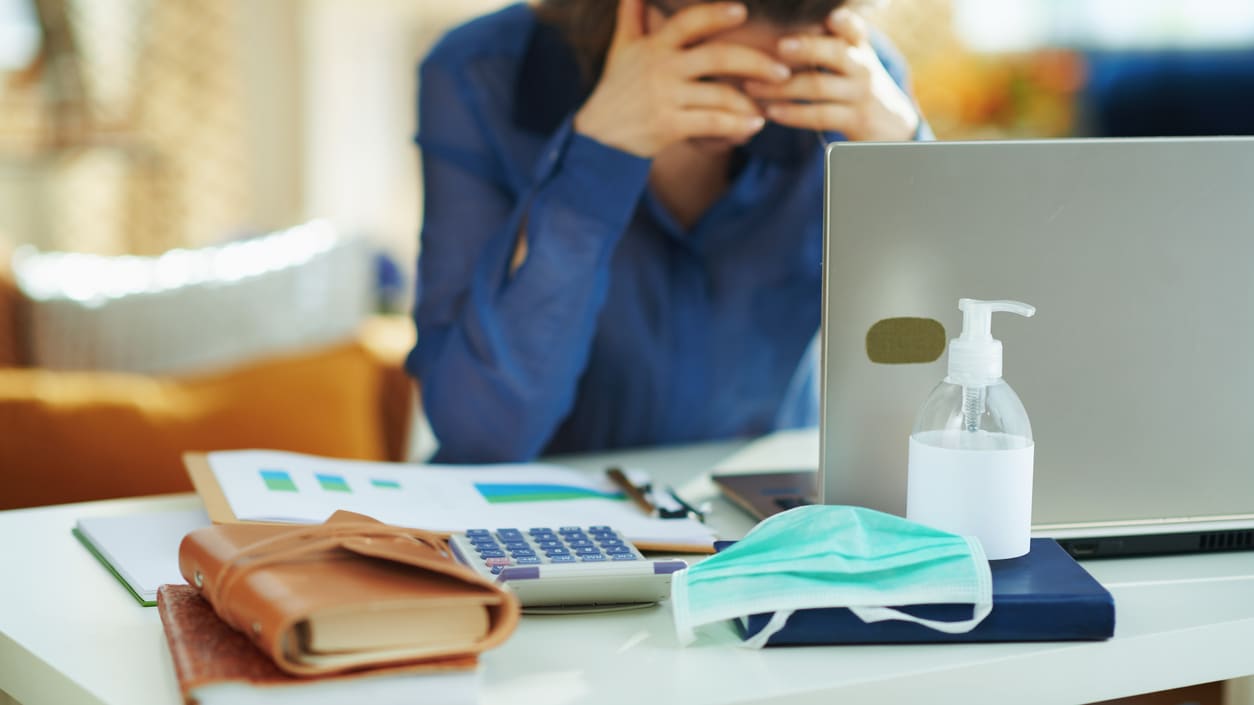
<point>1043,596</point>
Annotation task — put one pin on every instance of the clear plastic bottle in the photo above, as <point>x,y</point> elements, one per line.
<point>971,450</point>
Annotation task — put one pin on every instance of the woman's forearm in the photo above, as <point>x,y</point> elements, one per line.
<point>499,360</point>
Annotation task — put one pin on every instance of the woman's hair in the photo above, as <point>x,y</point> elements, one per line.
<point>588,25</point>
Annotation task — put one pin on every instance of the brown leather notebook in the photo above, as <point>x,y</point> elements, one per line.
<point>215,663</point>
<point>348,594</point>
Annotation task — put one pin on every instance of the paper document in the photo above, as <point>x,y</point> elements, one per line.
<point>141,550</point>
<point>290,487</point>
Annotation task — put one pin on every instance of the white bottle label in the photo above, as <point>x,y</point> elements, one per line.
<point>978,487</point>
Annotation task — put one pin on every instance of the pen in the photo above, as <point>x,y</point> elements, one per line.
<point>687,507</point>
<point>620,480</point>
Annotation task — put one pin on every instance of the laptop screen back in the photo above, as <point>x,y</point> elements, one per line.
<point>1137,371</point>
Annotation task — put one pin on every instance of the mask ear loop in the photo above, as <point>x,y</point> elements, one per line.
<point>776,623</point>
<point>883,614</point>
<point>982,607</point>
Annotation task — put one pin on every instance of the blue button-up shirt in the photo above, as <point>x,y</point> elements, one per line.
<point>621,328</point>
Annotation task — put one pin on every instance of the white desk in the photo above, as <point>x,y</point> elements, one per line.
<point>70,634</point>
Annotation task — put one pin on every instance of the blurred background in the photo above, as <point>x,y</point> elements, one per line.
<point>203,205</point>
<point>136,126</point>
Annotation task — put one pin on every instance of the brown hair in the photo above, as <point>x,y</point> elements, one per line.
<point>588,25</point>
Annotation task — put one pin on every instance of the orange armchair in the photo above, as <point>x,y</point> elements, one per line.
<point>78,436</point>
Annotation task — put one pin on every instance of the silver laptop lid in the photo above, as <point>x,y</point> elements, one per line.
<point>1137,371</point>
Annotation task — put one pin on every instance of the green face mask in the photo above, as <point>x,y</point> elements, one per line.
<point>831,556</point>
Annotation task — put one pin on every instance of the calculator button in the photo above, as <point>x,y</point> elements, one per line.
<point>502,560</point>
<point>545,543</point>
<point>491,553</point>
<point>496,569</point>
<point>592,558</point>
<point>557,552</point>
<point>570,530</point>
<point>587,551</point>
<point>524,553</point>
<point>472,533</point>
<point>528,560</point>
<point>602,529</point>
<point>540,532</point>
<point>623,557</point>
<point>579,543</point>
<point>618,550</point>
<point>610,542</point>
<point>509,534</point>
<point>516,545</point>
<point>561,558</point>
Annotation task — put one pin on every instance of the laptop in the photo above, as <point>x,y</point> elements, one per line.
<point>1136,372</point>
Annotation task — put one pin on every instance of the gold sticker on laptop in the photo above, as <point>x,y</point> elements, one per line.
<point>901,341</point>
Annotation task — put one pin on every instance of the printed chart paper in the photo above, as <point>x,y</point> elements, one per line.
<point>291,487</point>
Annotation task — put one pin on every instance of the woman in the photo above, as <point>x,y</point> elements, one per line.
<point>623,215</point>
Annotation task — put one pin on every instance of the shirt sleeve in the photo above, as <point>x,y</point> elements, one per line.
<point>499,354</point>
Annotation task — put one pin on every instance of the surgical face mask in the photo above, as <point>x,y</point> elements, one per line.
<point>831,556</point>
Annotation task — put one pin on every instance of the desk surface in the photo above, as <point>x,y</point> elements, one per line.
<point>70,634</point>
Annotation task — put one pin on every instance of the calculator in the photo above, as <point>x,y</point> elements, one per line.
<point>569,569</point>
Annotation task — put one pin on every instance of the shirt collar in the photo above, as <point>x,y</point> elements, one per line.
<point>550,87</point>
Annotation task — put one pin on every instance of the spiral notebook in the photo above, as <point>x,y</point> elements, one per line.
<point>140,550</point>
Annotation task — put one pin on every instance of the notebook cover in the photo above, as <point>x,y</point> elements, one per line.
<point>206,651</point>
<point>768,493</point>
<point>350,563</point>
<point>1043,596</point>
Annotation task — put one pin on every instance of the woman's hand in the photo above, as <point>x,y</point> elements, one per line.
<point>651,93</point>
<point>850,91</point>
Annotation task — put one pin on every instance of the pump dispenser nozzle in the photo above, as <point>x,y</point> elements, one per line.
<point>975,356</point>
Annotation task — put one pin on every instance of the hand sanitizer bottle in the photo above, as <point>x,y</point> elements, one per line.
<point>970,462</point>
